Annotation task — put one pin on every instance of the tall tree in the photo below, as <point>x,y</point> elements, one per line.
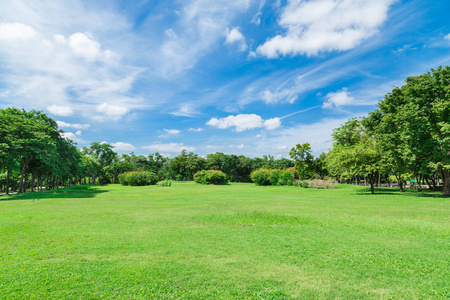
<point>304,160</point>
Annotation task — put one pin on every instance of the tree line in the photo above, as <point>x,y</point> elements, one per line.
<point>406,138</point>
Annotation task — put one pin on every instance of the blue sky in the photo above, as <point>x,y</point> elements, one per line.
<point>236,76</point>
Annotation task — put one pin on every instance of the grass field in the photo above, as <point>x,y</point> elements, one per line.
<point>236,241</point>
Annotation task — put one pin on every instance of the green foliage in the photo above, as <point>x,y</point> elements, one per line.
<point>138,178</point>
<point>165,183</point>
<point>210,177</point>
<point>272,177</point>
<point>304,160</point>
<point>320,184</point>
<point>303,184</point>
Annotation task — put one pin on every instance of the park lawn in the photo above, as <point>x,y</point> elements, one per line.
<point>236,241</point>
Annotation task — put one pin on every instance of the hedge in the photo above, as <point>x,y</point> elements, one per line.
<point>138,178</point>
<point>272,177</point>
<point>210,177</point>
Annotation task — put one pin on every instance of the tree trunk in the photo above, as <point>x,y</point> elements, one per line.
<point>7,181</point>
<point>372,181</point>
<point>428,182</point>
<point>446,182</point>
<point>400,182</point>
<point>419,187</point>
<point>22,175</point>
<point>32,182</point>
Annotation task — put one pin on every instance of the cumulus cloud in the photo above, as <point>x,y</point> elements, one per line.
<point>121,146</point>
<point>85,47</point>
<point>325,25</point>
<point>235,36</point>
<point>112,110</point>
<point>16,32</point>
<point>62,124</point>
<point>338,98</point>
<point>196,129</point>
<point>63,111</point>
<point>243,122</point>
<point>169,147</point>
<point>69,135</point>
<point>447,37</point>
<point>47,66</point>
<point>172,131</point>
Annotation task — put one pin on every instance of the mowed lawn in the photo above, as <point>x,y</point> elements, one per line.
<point>236,241</point>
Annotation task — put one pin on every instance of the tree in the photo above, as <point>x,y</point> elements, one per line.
<point>354,152</point>
<point>304,160</point>
<point>426,114</point>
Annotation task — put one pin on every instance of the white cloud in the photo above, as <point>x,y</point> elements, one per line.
<point>337,99</point>
<point>185,110</point>
<point>121,146</point>
<point>200,25</point>
<point>62,124</point>
<point>78,132</point>
<point>196,129</point>
<point>69,135</point>
<point>172,131</point>
<point>243,122</point>
<point>63,111</point>
<point>16,32</point>
<point>170,33</point>
<point>447,37</point>
<point>240,146</point>
<point>50,65</point>
<point>285,95</point>
<point>235,36</point>
<point>325,25</point>
<point>169,147</point>
<point>282,147</point>
<point>112,110</point>
<point>87,48</point>
<point>60,39</point>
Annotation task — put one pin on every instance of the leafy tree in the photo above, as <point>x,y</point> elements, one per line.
<point>354,152</point>
<point>304,160</point>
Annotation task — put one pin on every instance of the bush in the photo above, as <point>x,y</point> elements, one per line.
<point>138,178</point>
<point>317,184</point>
<point>303,184</point>
<point>272,177</point>
<point>165,183</point>
<point>210,177</point>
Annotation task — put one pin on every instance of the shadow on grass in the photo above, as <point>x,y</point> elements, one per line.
<point>395,191</point>
<point>77,191</point>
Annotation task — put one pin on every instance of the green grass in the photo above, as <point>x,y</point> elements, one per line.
<point>236,241</point>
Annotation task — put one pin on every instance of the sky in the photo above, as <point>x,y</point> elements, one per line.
<point>251,77</point>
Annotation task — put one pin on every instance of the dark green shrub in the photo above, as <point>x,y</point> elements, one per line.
<point>210,177</point>
<point>272,177</point>
<point>138,178</point>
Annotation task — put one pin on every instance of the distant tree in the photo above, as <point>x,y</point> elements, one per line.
<point>304,160</point>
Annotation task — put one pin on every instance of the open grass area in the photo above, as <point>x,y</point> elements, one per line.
<point>236,241</point>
